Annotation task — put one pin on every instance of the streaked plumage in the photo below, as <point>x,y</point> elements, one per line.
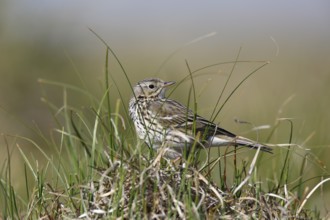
<point>165,122</point>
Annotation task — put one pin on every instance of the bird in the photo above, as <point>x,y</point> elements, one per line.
<point>165,123</point>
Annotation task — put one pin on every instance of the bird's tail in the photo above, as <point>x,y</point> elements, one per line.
<point>242,141</point>
<point>238,140</point>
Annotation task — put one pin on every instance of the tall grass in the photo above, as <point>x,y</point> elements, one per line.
<point>100,170</point>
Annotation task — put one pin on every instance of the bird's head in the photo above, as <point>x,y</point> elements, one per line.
<point>151,88</point>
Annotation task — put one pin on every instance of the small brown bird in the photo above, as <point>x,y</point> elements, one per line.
<point>163,122</point>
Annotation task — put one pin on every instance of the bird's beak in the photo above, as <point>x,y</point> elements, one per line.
<point>166,84</point>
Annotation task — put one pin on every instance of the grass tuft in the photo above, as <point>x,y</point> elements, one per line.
<point>99,170</point>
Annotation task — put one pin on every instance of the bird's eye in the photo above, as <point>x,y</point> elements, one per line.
<point>151,86</point>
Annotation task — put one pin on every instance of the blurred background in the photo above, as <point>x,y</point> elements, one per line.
<point>51,40</point>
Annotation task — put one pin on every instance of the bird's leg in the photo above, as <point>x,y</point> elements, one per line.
<point>160,152</point>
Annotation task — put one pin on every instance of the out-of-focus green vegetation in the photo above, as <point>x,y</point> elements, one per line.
<point>52,41</point>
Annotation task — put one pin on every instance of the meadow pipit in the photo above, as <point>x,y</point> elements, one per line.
<point>163,122</point>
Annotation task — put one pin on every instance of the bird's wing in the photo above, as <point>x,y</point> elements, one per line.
<point>172,114</point>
